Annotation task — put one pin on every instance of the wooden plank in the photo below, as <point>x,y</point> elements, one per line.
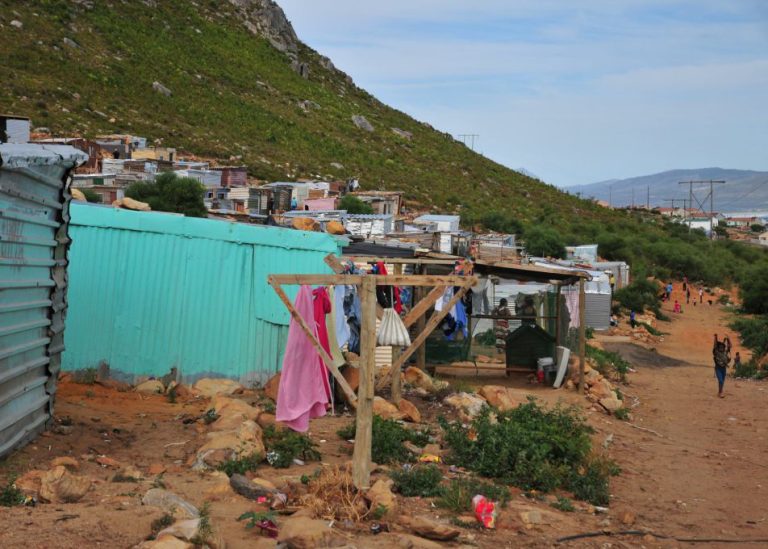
<point>381,280</point>
<point>400,260</point>
<point>334,263</point>
<point>316,344</point>
<point>582,334</point>
<point>361,456</point>
<point>421,323</point>
<point>421,308</point>
<point>557,315</point>
<point>397,392</point>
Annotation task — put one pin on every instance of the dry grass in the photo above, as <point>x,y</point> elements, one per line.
<point>333,496</point>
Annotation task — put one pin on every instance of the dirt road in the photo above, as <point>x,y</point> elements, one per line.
<point>706,472</point>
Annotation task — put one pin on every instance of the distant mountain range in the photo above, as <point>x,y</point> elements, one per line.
<point>744,190</point>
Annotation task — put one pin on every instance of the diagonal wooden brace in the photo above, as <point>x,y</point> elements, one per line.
<point>423,306</point>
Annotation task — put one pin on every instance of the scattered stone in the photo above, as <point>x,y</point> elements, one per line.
<point>305,224</point>
<point>336,227</point>
<point>601,389</point>
<point>307,105</point>
<point>627,517</point>
<point>159,88</point>
<point>266,420</point>
<point>300,68</point>
<point>305,533</point>
<point>131,204</point>
<point>156,469</point>
<point>362,122</point>
<point>221,488</point>
<point>184,529</point>
<point>591,377</point>
<point>65,461</point>
<point>170,503</point>
<point>429,529</point>
<point>105,461</point>
<point>272,387</point>
<point>252,488</point>
<point>499,397</point>
<point>16,23</point>
<point>380,494</point>
<point>419,378</point>
<point>386,409</point>
<point>71,43</point>
<point>611,403</point>
<point>467,405</point>
<point>60,486</point>
<point>403,133</point>
<point>337,165</point>
<point>409,410</point>
<point>150,387</point>
<point>433,449</point>
<point>225,445</point>
<point>29,483</point>
<point>130,472</point>
<point>211,387</point>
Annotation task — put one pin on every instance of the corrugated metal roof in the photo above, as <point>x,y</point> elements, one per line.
<point>150,291</point>
<point>34,208</point>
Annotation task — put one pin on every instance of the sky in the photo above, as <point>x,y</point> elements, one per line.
<point>573,91</point>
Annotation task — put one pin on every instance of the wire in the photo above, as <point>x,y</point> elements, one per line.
<point>746,194</point>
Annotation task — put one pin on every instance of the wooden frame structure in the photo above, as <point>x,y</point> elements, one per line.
<point>366,284</point>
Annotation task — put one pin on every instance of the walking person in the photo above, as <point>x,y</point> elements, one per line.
<point>632,321</point>
<point>678,309</point>
<point>736,363</point>
<point>701,295</point>
<point>669,291</point>
<point>722,357</point>
<point>688,296</point>
<point>501,317</point>
<point>685,283</point>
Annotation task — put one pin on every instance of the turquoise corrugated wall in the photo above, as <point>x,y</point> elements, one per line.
<point>149,291</point>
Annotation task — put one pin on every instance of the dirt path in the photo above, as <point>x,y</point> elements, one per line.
<point>706,475</point>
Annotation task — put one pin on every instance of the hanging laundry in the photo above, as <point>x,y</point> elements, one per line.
<point>353,312</point>
<point>387,296</point>
<point>304,389</point>
<point>340,319</point>
<point>572,302</point>
<point>322,306</point>
<point>330,324</point>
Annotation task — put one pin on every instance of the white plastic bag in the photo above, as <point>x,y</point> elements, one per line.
<point>392,331</point>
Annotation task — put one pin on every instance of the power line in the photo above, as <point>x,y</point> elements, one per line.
<point>464,137</point>
<point>701,203</point>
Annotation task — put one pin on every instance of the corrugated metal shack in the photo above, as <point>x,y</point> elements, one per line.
<point>34,210</point>
<point>150,291</point>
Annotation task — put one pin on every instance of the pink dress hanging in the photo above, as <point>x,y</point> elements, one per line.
<point>303,392</point>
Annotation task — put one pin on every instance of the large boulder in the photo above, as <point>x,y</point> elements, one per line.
<point>210,387</point>
<point>60,486</point>
<point>150,387</point>
<point>611,403</point>
<point>386,409</point>
<point>419,378</point>
<point>305,224</point>
<point>225,445</point>
<point>499,397</point>
<point>232,413</point>
<point>165,541</point>
<point>252,488</point>
<point>467,405</point>
<point>601,389</point>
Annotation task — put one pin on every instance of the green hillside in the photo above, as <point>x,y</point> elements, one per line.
<point>234,95</point>
<point>233,70</point>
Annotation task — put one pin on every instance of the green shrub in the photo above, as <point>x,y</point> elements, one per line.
<point>544,242</point>
<point>754,289</point>
<point>354,205</point>
<point>171,193</point>
<point>10,496</point>
<point>487,338</point>
<point>388,437</point>
<point>421,481</point>
<point>241,465</point>
<point>283,446</point>
<point>639,295</point>
<point>622,414</point>
<point>91,195</point>
<point>564,504</point>
<point>457,495</point>
<point>753,332</point>
<point>591,482</point>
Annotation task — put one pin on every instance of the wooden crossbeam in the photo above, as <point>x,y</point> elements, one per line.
<point>351,397</point>
<point>381,280</point>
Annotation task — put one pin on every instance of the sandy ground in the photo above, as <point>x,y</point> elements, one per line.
<point>693,465</point>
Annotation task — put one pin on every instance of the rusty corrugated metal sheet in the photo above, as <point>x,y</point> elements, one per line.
<point>151,291</point>
<point>34,210</point>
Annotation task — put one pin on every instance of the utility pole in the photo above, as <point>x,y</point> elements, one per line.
<point>610,195</point>
<point>464,137</point>
<point>648,197</point>
<point>633,198</point>
<point>701,203</point>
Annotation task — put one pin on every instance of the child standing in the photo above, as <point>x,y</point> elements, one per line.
<point>722,357</point>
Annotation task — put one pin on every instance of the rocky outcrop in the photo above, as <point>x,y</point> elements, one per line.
<point>265,18</point>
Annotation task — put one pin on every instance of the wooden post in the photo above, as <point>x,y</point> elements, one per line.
<point>557,316</point>
<point>361,457</point>
<point>421,323</point>
<point>582,333</point>
<point>397,392</point>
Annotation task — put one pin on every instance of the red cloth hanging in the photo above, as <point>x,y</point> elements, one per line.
<point>322,307</point>
<point>398,306</point>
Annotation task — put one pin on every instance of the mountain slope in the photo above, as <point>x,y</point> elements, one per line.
<point>242,86</point>
<point>743,190</point>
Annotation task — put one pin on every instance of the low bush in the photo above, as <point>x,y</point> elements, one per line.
<point>241,465</point>
<point>753,332</point>
<point>388,437</point>
<point>10,496</point>
<point>608,363</point>
<point>640,295</point>
<point>564,504</point>
<point>284,445</point>
<point>421,481</point>
<point>533,448</point>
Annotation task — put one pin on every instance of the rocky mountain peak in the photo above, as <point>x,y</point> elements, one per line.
<point>265,18</point>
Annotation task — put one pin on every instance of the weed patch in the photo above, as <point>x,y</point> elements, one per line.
<point>241,465</point>
<point>283,446</point>
<point>160,524</point>
<point>86,376</point>
<point>10,496</point>
<point>564,504</point>
<point>418,481</point>
<point>388,437</point>
<point>457,495</point>
<point>533,448</point>
<point>608,363</point>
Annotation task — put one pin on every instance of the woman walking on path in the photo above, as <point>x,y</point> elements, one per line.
<point>721,352</point>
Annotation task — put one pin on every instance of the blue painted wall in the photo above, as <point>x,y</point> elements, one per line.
<point>149,291</point>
